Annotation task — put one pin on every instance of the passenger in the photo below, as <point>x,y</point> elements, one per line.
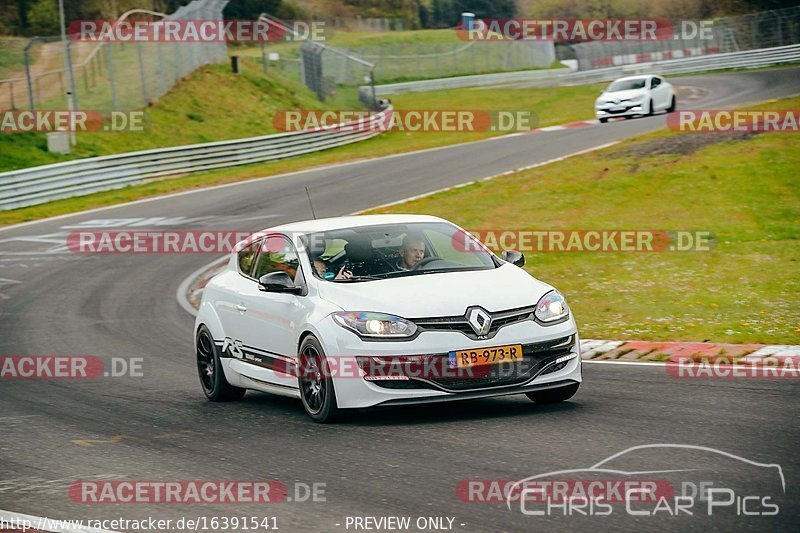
<point>321,267</point>
<point>411,252</point>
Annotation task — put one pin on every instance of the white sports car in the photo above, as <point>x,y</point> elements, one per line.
<point>635,95</point>
<point>381,310</point>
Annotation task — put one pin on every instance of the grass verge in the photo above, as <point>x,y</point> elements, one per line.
<point>744,189</point>
<point>552,106</point>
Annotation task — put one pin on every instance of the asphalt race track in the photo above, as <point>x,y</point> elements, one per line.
<point>398,461</point>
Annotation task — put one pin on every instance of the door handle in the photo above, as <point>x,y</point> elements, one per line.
<point>241,308</point>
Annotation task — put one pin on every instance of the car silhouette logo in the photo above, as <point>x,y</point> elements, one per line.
<point>479,320</point>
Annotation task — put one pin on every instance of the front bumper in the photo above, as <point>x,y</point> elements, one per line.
<point>622,110</point>
<point>353,391</point>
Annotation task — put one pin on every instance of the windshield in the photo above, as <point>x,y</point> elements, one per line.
<point>392,250</point>
<point>627,85</point>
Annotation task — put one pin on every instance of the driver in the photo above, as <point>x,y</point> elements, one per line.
<point>411,252</point>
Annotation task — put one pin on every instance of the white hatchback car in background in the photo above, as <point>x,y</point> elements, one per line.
<point>635,95</point>
<point>375,310</point>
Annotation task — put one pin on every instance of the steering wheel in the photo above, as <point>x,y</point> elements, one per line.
<point>424,262</point>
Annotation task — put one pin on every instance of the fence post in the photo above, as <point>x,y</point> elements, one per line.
<point>161,71</point>
<point>263,58</point>
<point>28,75</point>
<point>141,73</point>
<point>11,90</point>
<point>178,60</point>
<point>109,52</point>
<point>72,76</point>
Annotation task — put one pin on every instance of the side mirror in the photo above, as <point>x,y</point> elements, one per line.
<point>278,281</point>
<point>514,257</point>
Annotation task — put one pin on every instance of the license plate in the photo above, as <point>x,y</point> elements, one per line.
<point>485,356</point>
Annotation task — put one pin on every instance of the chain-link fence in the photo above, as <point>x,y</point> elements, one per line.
<point>732,34</point>
<point>105,75</point>
<point>435,60</point>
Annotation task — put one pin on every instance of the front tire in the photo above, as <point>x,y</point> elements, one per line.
<point>603,120</point>
<point>316,383</point>
<point>209,369</point>
<point>560,394</point>
<point>652,110</point>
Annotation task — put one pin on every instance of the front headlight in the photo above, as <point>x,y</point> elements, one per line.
<point>551,307</point>
<point>375,325</point>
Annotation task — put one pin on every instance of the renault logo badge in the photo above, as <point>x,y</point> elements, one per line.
<point>480,321</point>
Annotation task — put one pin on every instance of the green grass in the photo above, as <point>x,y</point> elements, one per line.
<point>173,122</point>
<point>210,105</point>
<point>744,191</point>
<point>12,59</point>
<point>552,105</point>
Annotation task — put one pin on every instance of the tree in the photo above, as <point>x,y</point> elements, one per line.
<point>43,18</point>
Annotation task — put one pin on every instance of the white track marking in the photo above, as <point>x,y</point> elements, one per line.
<point>183,288</point>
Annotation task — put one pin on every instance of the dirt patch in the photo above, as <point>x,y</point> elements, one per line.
<point>685,143</point>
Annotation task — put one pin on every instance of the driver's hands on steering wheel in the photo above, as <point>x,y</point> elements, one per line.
<point>424,261</point>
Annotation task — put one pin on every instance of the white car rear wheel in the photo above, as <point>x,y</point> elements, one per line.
<point>209,369</point>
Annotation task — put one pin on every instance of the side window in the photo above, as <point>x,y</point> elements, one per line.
<point>655,83</point>
<point>277,253</point>
<point>247,257</point>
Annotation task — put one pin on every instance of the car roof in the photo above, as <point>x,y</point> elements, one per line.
<point>327,224</point>
<point>640,76</point>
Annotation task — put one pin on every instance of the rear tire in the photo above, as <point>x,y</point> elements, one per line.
<point>673,105</point>
<point>560,394</point>
<point>603,120</point>
<point>315,383</point>
<point>209,369</point>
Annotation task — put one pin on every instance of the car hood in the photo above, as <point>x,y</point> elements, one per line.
<point>623,95</point>
<point>443,294</point>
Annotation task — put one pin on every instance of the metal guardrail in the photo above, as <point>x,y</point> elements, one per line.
<point>747,59</point>
<point>36,185</point>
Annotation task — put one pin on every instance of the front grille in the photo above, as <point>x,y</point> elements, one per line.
<point>536,356</point>
<point>459,323</point>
